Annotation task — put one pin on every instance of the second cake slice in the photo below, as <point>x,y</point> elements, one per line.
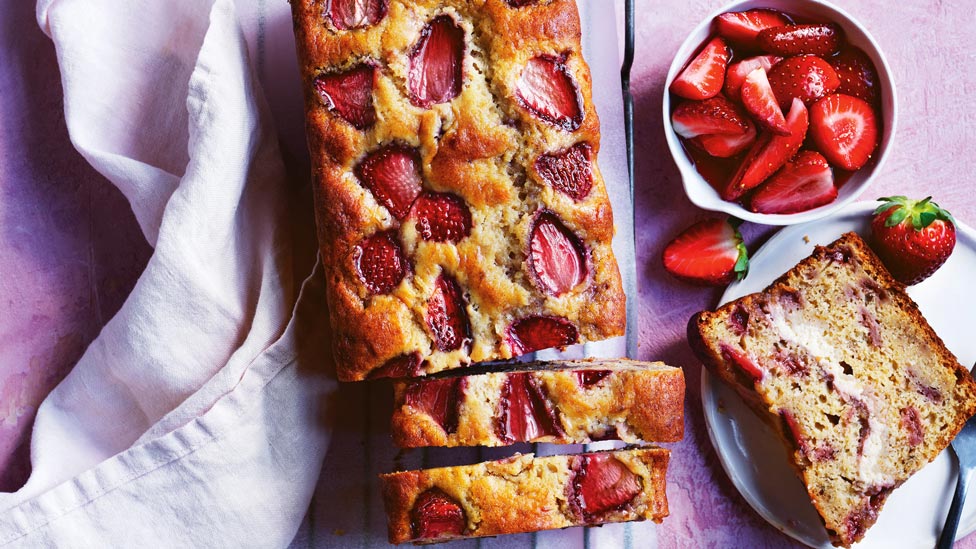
<point>564,402</point>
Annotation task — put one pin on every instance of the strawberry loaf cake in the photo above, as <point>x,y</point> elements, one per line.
<point>837,358</point>
<point>526,494</point>
<point>460,210</point>
<point>563,402</point>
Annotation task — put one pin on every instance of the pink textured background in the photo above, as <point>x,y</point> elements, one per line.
<point>70,249</point>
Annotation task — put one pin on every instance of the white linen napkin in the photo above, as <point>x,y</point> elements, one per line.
<point>197,417</point>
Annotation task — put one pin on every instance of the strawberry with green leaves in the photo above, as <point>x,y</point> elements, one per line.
<point>709,253</point>
<point>913,238</point>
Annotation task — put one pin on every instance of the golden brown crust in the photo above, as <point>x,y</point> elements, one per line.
<point>838,359</point>
<point>481,146</point>
<point>523,493</point>
<point>633,401</point>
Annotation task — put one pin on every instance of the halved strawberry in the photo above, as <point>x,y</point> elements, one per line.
<point>710,116</point>
<point>819,39</point>
<point>392,174</point>
<point>441,217</point>
<point>534,333</point>
<point>769,154</point>
<point>742,27</point>
<point>710,252</point>
<point>603,483</point>
<point>406,365</point>
<point>704,75</point>
<point>758,99</point>
<point>438,398</point>
<point>857,74</point>
<point>436,63</point>
<point>556,255</point>
<point>845,130</point>
<point>356,14</point>
<point>805,76</point>
<point>737,73</point>
<point>569,172</point>
<point>525,412</point>
<point>447,315</point>
<point>436,515</point>
<point>722,145</point>
<point>379,262</point>
<point>349,94</point>
<point>547,89</point>
<point>802,184</point>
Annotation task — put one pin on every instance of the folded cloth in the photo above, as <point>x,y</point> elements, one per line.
<point>198,416</point>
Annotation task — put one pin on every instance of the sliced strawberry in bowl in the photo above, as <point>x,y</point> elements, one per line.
<point>436,63</point>
<point>546,88</point>
<point>557,258</point>
<point>743,27</point>
<point>379,262</point>
<point>857,74</point>
<point>769,154</point>
<point>569,172</point>
<point>356,14</point>
<point>703,77</point>
<point>845,130</point>
<point>737,73</point>
<point>818,39</point>
<point>723,145</point>
<point>716,115</point>
<point>447,315</point>
<point>349,94</point>
<point>709,253</point>
<point>806,77</point>
<point>804,183</point>
<point>441,217</point>
<point>534,333</point>
<point>392,175</point>
<point>759,101</point>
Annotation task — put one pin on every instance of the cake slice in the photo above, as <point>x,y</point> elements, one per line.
<point>526,494</point>
<point>838,359</point>
<point>562,402</point>
<point>461,212</point>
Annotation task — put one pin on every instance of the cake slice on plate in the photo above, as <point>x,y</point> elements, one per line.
<point>837,358</point>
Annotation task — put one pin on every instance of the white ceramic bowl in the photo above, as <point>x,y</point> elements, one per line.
<point>704,195</point>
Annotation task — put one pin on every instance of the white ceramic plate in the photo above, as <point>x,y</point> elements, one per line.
<point>755,460</point>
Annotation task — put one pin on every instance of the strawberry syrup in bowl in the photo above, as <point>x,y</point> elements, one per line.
<point>706,177</point>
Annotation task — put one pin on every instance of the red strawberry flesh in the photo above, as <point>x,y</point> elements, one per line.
<point>392,175</point>
<point>716,115</point>
<point>742,362</point>
<point>758,98</point>
<point>743,27</point>
<point>438,398</point>
<point>436,63</point>
<point>356,14</point>
<point>556,255</point>
<point>769,154</point>
<point>441,217</point>
<point>547,89</point>
<point>589,378</point>
<point>535,333</point>
<point>569,172</point>
<point>525,412</point>
<point>737,73</point>
<point>709,252</point>
<point>603,483</point>
<point>857,74</point>
<point>380,263</point>
<point>703,77</point>
<point>805,183</point>
<point>845,130</point>
<point>447,316</point>
<point>436,515</point>
<point>721,145</point>
<point>807,77</point>
<point>817,39</point>
<point>349,95</point>
<point>400,366</point>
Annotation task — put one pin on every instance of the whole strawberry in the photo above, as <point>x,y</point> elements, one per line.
<point>912,237</point>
